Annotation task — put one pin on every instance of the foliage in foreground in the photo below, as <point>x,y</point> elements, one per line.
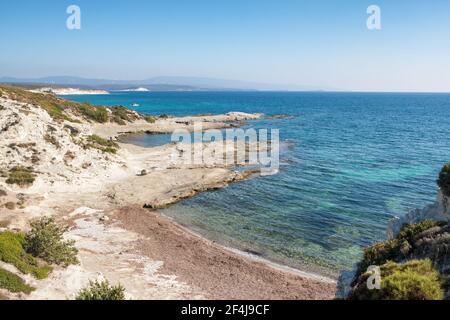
<point>101,290</point>
<point>414,280</point>
<point>21,176</point>
<point>13,283</point>
<point>444,180</point>
<point>413,264</point>
<point>12,251</point>
<point>45,240</point>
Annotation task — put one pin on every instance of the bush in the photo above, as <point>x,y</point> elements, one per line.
<point>97,142</point>
<point>121,115</point>
<point>59,109</point>
<point>12,251</point>
<point>379,254</point>
<point>102,291</point>
<point>13,283</point>
<point>410,231</point>
<point>45,240</point>
<point>414,280</point>
<point>150,119</point>
<point>391,250</point>
<point>21,176</point>
<point>444,180</point>
<point>97,114</point>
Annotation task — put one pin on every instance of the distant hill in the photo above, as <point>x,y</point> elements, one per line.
<point>158,84</point>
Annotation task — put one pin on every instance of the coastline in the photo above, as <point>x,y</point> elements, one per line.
<point>69,91</point>
<point>101,196</point>
<point>219,272</point>
<point>250,256</point>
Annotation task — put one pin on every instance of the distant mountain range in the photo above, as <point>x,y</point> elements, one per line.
<point>157,84</point>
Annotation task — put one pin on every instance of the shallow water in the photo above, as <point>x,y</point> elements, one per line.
<point>350,162</point>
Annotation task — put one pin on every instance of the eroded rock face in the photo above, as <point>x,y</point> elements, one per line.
<point>54,150</point>
<point>438,211</point>
<point>433,243</point>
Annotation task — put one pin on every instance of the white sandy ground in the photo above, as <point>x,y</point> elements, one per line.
<point>81,187</point>
<point>68,91</point>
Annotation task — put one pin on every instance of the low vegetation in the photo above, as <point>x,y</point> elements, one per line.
<point>413,280</point>
<point>61,109</point>
<point>10,205</point>
<point>412,264</point>
<point>104,145</point>
<point>444,180</point>
<point>21,176</point>
<point>13,283</point>
<point>150,119</point>
<point>45,240</point>
<point>52,139</point>
<point>88,111</point>
<point>12,251</point>
<point>34,252</point>
<point>122,115</point>
<point>101,290</point>
<point>398,248</point>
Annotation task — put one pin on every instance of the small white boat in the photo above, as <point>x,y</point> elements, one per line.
<point>135,105</point>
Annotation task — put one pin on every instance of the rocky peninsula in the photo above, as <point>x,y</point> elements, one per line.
<point>63,159</point>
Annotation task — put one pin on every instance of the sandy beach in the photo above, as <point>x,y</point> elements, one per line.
<point>102,197</point>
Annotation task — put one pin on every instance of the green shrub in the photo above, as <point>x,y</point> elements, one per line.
<point>380,253</point>
<point>53,105</point>
<point>150,119</point>
<point>444,180</point>
<point>13,283</point>
<point>12,251</point>
<point>45,240</point>
<point>410,231</point>
<point>10,205</point>
<point>102,291</point>
<point>108,146</point>
<point>391,250</point>
<point>121,114</point>
<point>21,176</point>
<point>57,108</point>
<point>414,280</point>
<point>97,114</point>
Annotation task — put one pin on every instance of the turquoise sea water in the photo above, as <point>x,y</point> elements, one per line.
<point>349,163</point>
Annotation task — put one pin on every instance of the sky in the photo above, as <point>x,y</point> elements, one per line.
<point>320,43</point>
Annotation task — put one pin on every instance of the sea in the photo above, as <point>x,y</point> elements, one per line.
<point>349,163</point>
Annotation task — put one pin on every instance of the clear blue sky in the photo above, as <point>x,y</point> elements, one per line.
<point>321,43</point>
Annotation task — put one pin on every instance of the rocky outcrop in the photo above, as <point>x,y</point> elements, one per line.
<point>438,211</point>
<point>433,243</point>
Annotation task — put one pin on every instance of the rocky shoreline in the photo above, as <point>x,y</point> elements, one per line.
<point>78,172</point>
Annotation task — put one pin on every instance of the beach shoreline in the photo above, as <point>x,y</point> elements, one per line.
<point>102,197</point>
<point>233,274</point>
